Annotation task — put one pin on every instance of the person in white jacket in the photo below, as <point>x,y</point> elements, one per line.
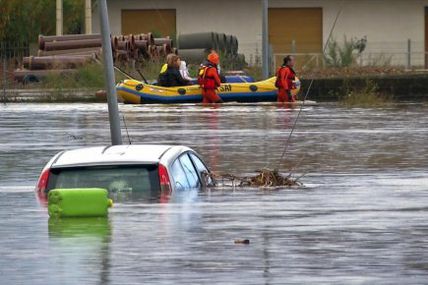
<point>184,71</point>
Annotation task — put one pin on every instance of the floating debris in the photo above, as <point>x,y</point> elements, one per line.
<point>265,178</point>
<point>242,241</point>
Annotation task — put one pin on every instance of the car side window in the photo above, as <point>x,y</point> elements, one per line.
<point>198,163</point>
<point>179,176</point>
<point>202,169</point>
<point>190,170</point>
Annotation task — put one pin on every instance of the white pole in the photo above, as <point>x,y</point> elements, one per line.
<point>59,14</point>
<point>88,17</point>
<point>265,39</point>
<point>113,109</point>
<point>409,54</point>
<point>293,46</point>
<point>4,79</point>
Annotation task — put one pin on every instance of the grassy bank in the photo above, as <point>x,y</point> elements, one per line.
<point>365,96</point>
<point>89,76</point>
<point>351,72</point>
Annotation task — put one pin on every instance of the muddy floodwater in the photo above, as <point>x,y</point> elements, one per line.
<point>362,217</point>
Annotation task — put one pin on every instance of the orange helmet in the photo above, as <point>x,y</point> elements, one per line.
<point>213,57</point>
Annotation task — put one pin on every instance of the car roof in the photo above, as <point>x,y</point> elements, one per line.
<point>118,154</point>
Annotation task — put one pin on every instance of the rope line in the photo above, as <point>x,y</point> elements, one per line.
<point>309,89</point>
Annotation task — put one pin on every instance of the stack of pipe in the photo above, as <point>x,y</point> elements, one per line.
<point>69,44</point>
<point>63,54</point>
<point>60,55</point>
<point>194,47</point>
<point>41,66</point>
<point>141,47</point>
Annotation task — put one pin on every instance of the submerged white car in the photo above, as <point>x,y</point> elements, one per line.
<point>155,169</point>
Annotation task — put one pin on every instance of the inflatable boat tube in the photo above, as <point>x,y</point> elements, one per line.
<point>137,92</point>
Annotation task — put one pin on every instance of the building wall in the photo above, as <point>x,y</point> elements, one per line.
<point>386,23</point>
<point>242,18</point>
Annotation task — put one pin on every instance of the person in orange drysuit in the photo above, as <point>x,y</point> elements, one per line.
<point>209,79</point>
<point>284,80</point>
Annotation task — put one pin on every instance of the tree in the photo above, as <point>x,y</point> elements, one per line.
<point>21,21</point>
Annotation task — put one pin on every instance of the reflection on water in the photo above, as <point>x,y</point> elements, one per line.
<point>361,217</point>
<point>79,227</point>
<point>81,247</point>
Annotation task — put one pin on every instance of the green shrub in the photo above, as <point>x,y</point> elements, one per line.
<point>364,96</point>
<point>344,55</point>
<point>150,69</point>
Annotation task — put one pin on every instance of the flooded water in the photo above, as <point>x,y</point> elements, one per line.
<point>362,217</point>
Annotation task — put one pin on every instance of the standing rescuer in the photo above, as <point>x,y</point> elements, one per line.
<point>284,80</point>
<point>209,79</point>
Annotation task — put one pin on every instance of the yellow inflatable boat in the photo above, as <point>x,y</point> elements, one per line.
<point>137,92</point>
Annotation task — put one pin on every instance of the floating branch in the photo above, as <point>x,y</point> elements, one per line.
<point>265,178</point>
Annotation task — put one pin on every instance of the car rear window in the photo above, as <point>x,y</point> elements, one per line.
<point>118,178</point>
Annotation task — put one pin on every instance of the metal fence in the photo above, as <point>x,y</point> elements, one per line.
<point>14,50</point>
<point>413,60</point>
<point>409,54</point>
<point>11,55</point>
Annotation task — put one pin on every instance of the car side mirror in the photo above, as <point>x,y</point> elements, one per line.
<point>207,179</point>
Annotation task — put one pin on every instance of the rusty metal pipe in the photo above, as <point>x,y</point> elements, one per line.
<point>141,44</point>
<point>123,45</point>
<point>56,62</point>
<point>91,50</point>
<point>44,39</point>
<point>61,45</point>
<point>148,37</point>
<point>20,74</point>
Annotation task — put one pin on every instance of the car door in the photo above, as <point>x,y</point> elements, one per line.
<point>179,176</point>
<point>201,169</point>
<point>189,169</point>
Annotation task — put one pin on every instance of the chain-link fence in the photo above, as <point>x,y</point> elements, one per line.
<point>11,55</point>
<point>408,54</point>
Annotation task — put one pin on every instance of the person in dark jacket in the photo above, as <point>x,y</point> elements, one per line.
<point>170,73</point>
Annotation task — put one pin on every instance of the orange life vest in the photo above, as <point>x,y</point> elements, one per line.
<point>288,77</point>
<point>206,81</point>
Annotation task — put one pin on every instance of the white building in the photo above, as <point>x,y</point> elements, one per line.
<point>299,26</point>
